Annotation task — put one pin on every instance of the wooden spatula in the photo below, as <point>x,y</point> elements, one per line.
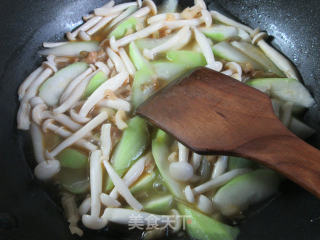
<point>212,113</point>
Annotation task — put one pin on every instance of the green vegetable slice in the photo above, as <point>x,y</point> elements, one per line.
<point>132,145</point>
<point>219,32</point>
<point>226,51</point>
<point>202,227</point>
<point>94,83</point>
<point>144,183</point>
<point>189,59</point>
<point>256,54</point>
<point>123,27</point>
<point>159,205</point>
<point>160,151</point>
<point>245,190</point>
<point>285,89</point>
<point>72,158</point>
<point>52,89</point>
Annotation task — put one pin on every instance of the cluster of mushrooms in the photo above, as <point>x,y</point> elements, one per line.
<point>74,119</point>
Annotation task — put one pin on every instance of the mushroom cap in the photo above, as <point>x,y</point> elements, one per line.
<point>92,222</point>
<point>35,101</point>
<point>151,5</point>
<point>113,44</point>
<point>46,124</point>
<point>205,204</point>
<point>37,112</point>
<point>181,171</point>
<point>47,169</point>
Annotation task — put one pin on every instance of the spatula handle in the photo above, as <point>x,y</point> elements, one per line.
<point>288,155</point>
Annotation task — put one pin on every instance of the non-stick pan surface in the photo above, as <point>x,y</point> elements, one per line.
<point>29,212</point>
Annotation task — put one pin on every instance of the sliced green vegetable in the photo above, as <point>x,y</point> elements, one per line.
<point>151,42</point>
<point>189,59</point>
<point>160,205</point>
<point>202,227</point>
<point>285,89</point>
<point>144,183</point>
<point>123,28</point>
<point>136,57</point>
<point>256,54</point>
<point>168,71</point>
<point>74,180</point>
<point>238,162</point>
<point>133,143</point>
<point>94,83</point>
<point>219,32</point>
<point>300,129</point>
<point>72,158</point>
<point>226,51</point>
<point>51,90</point>
<point>143,86</point>
<point>160,151</point>
<point>72,49</point>
<point>245,190</point>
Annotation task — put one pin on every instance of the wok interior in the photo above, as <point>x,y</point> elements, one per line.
<point>33,200</point>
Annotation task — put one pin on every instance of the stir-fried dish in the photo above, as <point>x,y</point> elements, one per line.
<point>111,166</point>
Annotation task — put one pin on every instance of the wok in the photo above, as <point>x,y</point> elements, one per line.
<point>28,211</point>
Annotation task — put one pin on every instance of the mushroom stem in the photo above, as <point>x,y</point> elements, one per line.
<point>132,175</point>
<point>112,84</point>
<point>74,96</point>
<point>84,27</point>
<point>196,160</point>
<point>220,166</point>
<point>127,62</point>
<point>134,36</point>
<point>95,182</point>
<point>163,17</point>
<point>112,10</point>
<point>65,134</point>
<point>119,120</point>
<point>80,133</point>
<point>122,187</point>
<point>23,116</point>
<point>118,104</point>
<point>116,60</point>
<point>141,12</point>
<point>37,142</point>
<point>28,81</point>
<point>207,51</point>
<point>219,181</point>
<point>71,212</point>
<point>182,23</point>
<point>106,142</point>
<point>104,21</point>
<point>84,207</point>
<point>93,220</point>
<point>53,44</point>
<point>72,85</point>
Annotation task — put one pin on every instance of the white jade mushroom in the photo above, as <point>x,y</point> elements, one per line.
<point>93,221</point>
<point>205,204</point>
<point>151,5</point>
<point>177,41</point>
<point>212,184</point>
<point>47,169</point>
<point>181,170</point>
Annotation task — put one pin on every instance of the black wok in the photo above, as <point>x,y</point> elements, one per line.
<point>27,211</point>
